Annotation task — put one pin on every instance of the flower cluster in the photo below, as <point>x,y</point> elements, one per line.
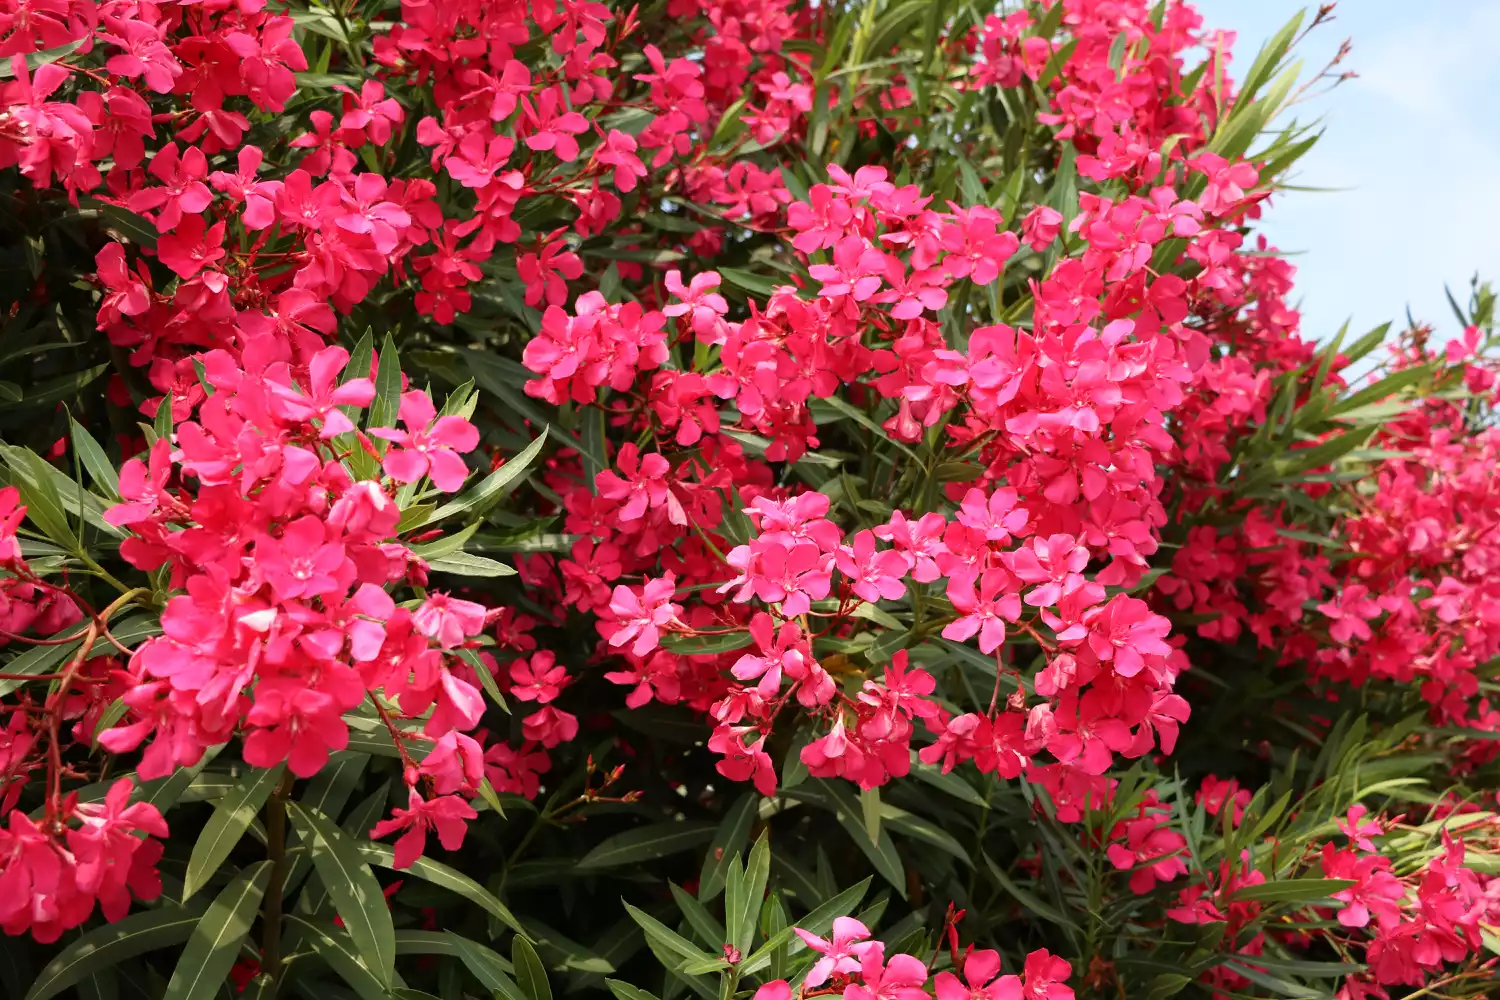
<point>851,964</point>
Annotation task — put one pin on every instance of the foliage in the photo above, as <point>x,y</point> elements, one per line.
<point>718,497</point>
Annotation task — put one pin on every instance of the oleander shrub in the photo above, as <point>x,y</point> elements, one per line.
<point>734,498</point>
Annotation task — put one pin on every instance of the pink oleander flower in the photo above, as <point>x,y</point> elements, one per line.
<point>447,815</point>
<point>429,446</point>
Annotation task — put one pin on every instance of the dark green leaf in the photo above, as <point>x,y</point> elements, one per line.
<point>354,889</point>
<point>232,817</point>
<point>111,944</point>
<point>214,944</point>
<point>646,843</point>
<point>1296,890</point>
<point>441,875</point>
<point>531,977</point>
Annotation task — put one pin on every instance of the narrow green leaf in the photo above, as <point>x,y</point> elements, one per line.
<point>752,895</point>
<point>1025,897</point>
<point>705,645</point>
<point>485,966</point>
<point>747,281</point>
<point>387,402</point>
<point>670,946</point>
<point>531,976</point>
<point>923,829</point>
<point>625,991</point>
<point>486,678</point>
<point>709,930</point>
<point>441,875</point>
<point>591,445</point>
<point>1295,890</point>
<point>214,943</point>
<point>35,60</point>
<point>951,783</point>
<point>111,944</point>
<point>467,564</point>
<point>94,459</point>
<point>42,658</point>
<point>355,890</point>
<point>646,844</point>
<point>493,488</point>
<point>232,817</point>
<point>44,506</point>
<point>337,948</point>
<point>729,840</point>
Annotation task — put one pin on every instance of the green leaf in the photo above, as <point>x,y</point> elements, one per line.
<point>441,875</point>
<point>468,564</point>
<point>493,488</point>
<point>163,421</point>
<point>1295,890</point>
<point>646,843</point>
<point>705,645</point>
<point>675,951</point>
<point>337,949</point>
<point>214,943</point>
<point>729,840</point>
<point>94,459</point>
<point>440,547</point>
<point>859,416</point>
<point>625,991</point>
<point>921,828</point>
<point>355,890</point>
<point>387,402</point>
<point>109,945</point>
<point>1281,987</point>
<point>232,817</point>
<point>531,977</point>
<point>129,225</point>
<point>591,445</point>
<point>1025,897</point>
<point>709,930</point>
<point>329,790</point>
<point>951,783</point>
<point>747,281</point>
<point>38,59</point>
<point>44,506</point>
<point>485,966</point>
<point>740,917</point>
<point>1270,57</point>
<point>841,802</point>
<point>486,681</point>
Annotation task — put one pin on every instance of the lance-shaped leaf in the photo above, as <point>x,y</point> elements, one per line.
<point>214,943</point>
<point>531,976</point>
<point>354,889</point>
<point>440,874</point>
<point>107,946</point>
<point>493,488</point>
<point>646,843</point>
<point>337,949</point>
<point>232,817</point>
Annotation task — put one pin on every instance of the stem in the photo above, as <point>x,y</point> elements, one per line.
<point>270,942</point>
<point>102,573</point>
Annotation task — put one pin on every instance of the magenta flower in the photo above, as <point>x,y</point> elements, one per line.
<point>980,982</point>
<point>448,620</point>
<point>983,612</point>
<point>841,952</point>
<point>445,814</point>
<point>429,445</point>
<point>874,575</point>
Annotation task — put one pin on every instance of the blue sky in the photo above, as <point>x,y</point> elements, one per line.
<point>1414,144</point>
